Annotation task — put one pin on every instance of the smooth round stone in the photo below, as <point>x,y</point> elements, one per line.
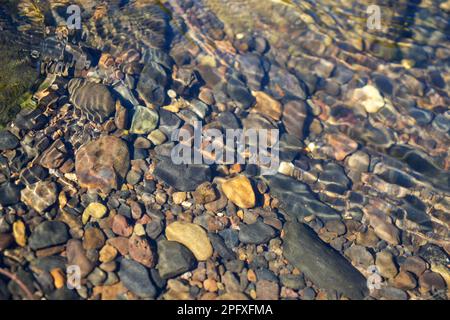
<point>192,236</point>
<point>93,99</point>
<point>8,140</point>
<point>144,120</point>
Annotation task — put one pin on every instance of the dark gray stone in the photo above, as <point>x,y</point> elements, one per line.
<point>297,200</point>
<point>9,194</point>
<point>174,259</point>
<point>182,177</point>
<point>8,140</point>
<point>321,263</point>
<point>135,278</point>
<point>220,247</point>
<point>47,234</point>
<point>255,233</point>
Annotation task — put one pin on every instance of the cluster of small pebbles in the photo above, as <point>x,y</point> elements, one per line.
<point>359,207</point>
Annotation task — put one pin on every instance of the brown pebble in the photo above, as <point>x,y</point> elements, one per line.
<point>121,227</point>
<point>140,251</point>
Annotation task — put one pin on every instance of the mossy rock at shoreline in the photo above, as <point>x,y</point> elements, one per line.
<point>17,77</point>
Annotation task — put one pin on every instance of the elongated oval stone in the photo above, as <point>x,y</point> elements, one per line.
<point>321,263</point>
<point>93,99</point>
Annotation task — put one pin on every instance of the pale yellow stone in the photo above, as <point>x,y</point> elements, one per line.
<point>19,233</point>
<point>239,190</point>
<point>96,210</point>
<point>192,236</point>
<point>139,229</point>
<point>178,197</point>
<point>369,97</point>
<point>107,253</point>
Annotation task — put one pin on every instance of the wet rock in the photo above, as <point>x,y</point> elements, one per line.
<point>358,162</point>
<point>182,177</point>
<point>168,122</point>
<point>239,190</point>
<point>405,281</point>
<point>140,251</point>
<point>383,229</point>
<point>93,239</point>
<point>251,67</point>
<point>34,174</point>
<point>144,120</point>
<point>296,282</point>
<point>40,195</point>
<point>415,265</point>
<point>121,227</point>
<point>431,281</point>
<point>297,200</point>
<point>228,120</point>
<point>76,255</point>
<point>390,293</point>
<point>30,120</point>
<point>54,156</point>
<point>295,113</point>
<point>204,193</point>
<point>339,146</point>
<point>320,263</point>
<point>267,290</point>
<point>19,233</point>
<point>256,233</point>
<point>238,91</point>
<point>6,240</point>
<point>192,236</point>
<point>157,137</point>
<point>10,194</point>
<point>102,164</point>
<point>174,259</point>
<point>47,234</point>
<point>386,265</point>
<point>442,123</point>
<point>266,105</point>
<point>8,140</point>
<point>135,278</point>
<point>359,256</point>
<point>152,81</point>
<point>94,99</point>
<point>95,210</point>
<point>220,247</point>
<point>369,97</point>
<point>285,84</point>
